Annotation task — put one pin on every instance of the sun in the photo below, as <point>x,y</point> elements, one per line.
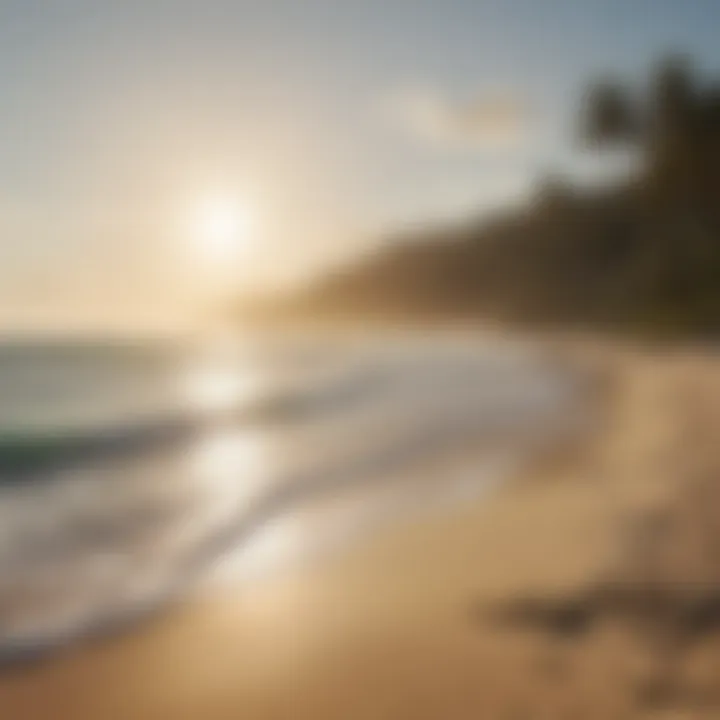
<point>224,228</point>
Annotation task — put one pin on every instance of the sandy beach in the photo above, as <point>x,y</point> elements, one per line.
<point>385,630</point>
<point>396,626</point>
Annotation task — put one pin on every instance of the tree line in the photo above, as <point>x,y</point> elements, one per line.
<point>643,253</point>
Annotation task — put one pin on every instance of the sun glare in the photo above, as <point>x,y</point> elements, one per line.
<point>224,228</point>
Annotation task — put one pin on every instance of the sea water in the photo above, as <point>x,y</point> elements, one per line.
<point>130,472</point>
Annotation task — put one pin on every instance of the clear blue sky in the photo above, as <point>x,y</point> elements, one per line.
<point>331,118</point>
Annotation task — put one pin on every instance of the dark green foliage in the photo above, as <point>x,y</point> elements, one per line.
<point>609,116</point>
<point>642,256</point>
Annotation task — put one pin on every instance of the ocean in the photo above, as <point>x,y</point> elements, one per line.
<point>133,473</point>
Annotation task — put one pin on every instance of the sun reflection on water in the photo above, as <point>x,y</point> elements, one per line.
<point>271,546</point>
<point>234,470</point>
<point>232,464</point>
<point>217,387</point>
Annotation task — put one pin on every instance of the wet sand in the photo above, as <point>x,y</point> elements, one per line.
<point>397,626</point>
<point>384,629</point>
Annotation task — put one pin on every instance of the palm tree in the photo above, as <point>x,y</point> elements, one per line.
<point>667,127</point>
<point>609,118</point>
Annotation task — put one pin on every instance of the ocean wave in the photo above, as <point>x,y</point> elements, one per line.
<point>30,453</point>
<point>90,550</point>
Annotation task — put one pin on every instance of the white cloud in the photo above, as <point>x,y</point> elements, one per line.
<point>481,123</point>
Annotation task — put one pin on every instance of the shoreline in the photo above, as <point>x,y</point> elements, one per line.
<point>554,597</point>
<point>272,646</point>
<point>227,640</point>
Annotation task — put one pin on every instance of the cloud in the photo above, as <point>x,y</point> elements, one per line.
<point>481,123</point>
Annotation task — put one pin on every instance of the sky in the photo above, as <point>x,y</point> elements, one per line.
<point>331,122</point>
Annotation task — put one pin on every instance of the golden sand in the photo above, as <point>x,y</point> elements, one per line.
<point>393,627</point>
